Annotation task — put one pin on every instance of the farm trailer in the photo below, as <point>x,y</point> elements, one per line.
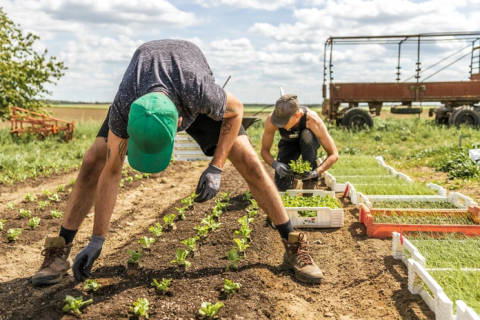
<point>459,99</point>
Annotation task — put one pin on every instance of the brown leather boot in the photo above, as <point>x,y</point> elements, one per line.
<point>56,263</point>
<point>297,258</point>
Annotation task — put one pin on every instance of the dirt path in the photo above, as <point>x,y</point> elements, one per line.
<point>362,280</point>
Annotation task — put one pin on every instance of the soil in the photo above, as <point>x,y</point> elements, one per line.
<point>362,280</point>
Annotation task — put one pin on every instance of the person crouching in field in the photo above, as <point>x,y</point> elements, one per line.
<point>301,131</point>
<point>168,87</point>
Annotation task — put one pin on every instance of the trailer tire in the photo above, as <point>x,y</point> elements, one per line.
<point>452,115</point>
<point>358,118</point>
<point>465,115</point>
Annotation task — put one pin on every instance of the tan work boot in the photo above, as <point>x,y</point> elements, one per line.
<point>56,263</point>
<point>297,258</point>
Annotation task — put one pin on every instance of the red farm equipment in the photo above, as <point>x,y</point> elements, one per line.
<point>459,100</point>
<point>25,121</point>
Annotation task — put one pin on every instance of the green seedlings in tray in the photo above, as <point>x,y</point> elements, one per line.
<point>230,287</point>
<point>91,285</point>
<point>25,213</point>
<point>300,166</point>
<point>1,224</point>
<point>156,230</point>
<point>56,214</point>
<point>254,204</point>
<point>191,243</point>
<point>169,221</point>
<point>74,304</point>
<point>181,212</point>
<point>139,176</point>
<point>181,256</point>
<point>209,310</point>
<point>61,188</point>
<point>47,192</point>
<point>43,204</point>
<point>146,241</point>
<point>54,197</point>
<point>134,256</point>
<point>383,189</point>
<point>34,222</point>
<point>414,205</point>
<point>248,195</point>
<point>10,205</point>
<point>415,217</point>
<point>314,201</point>
<point>233,257</point>
<point>211,223</point>
<point>162,286</point>
<point>12,234</point>
<point>241,245</point>
<point>202,231</point>
<point>29,197</point>
<point>129,179</point>
<point>140,307</point>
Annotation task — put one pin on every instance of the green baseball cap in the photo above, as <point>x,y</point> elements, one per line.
<point>152,126</point>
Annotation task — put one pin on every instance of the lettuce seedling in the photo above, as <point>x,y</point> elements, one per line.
<point>191,243</point>
<point>210,223</point>
<point>169,220</point>
<point>61,188</point>
<point>1,224</point>
<point>129,179</point>
<point>25,213</point>
<point>43,204</point>
<point>254,204</point>
<point>156,230</point>
<point>188,201</point>
<point>241,244</point>
<point>251,212</point>
<point>47,192</point>
<point>140,307</point>
<point>124,173</point>
<point>30,197</point>
<point>74,304</point>
<point>216,212</point>
<point>202,231</point>
<point>225,196</point>
<point>248,195</point>
<point>91,285</point>
<point>12,234</point>
<point>181,256</point>
<point>245,221</point>
<point>56,214</point>
<point>139,176</point>
<point>244,231</point>
<point>10,205</point>
<point>300,166</point>
<point>71,183</point>
<point>233,257</point>
<point>230,287</point>
<point>209,310</point>
<point>54,197</point>
<point>146,241</point>
<point>221,205</point>
<point>162,286</point>
<point>146,175</point>
<point>34,222</point>
<point>181,212</point>
<point>134,256</point>
<point>122,183</point>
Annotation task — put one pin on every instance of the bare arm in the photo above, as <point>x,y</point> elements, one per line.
<point>267,141</point>
<point>107,188</point>
<point>232,120</point>
<point>317,126</point>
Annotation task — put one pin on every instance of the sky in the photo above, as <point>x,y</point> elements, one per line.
<point>262,44</point>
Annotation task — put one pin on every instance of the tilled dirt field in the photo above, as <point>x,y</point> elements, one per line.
<point>362,280</point>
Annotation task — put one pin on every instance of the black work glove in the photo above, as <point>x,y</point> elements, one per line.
<point>307,175</point>
<point>84,260</point>
<point>282,169</point>
<point>209,183</point>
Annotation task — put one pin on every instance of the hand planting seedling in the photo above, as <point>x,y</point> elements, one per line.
<point>140,307</point>
<point>47,192</point>
<point>43,204</point>
<point>1,224</point>
<point>34,222</point>
<point>169,221</point>
<point>74,304</point>
<point>10,205</point>
<point>139,176</point>
<point>210,223</point>
<point>13,234</point>
<point>209,310</point>
<point>54,197</point>
<point>233,257</point>
<point>162,286</point>
<point>181,256</point>
<point>300,166</point>
<point>242,245</point>
<point>91,285</point>
<point>202,231</point>
<point>230,287</point>
<point>30,197</point>
<point>146,242</point>
<point>56,214</point>
<point>25,213</point>
<point>181,212</point>
<point>156,230</point>
<point>61,188</point>
<point>129,179</point>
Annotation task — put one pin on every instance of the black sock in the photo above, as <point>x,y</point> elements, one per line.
<point>68,235</point>
<point>285,229</point>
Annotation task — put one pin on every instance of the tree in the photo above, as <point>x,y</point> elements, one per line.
<point>23,71</point>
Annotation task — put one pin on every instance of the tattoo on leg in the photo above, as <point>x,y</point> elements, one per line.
<point>106,140</point>
<point>226,127</point>
<point>122,149</point>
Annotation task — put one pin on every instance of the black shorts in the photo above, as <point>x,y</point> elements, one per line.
<point>204,130</point>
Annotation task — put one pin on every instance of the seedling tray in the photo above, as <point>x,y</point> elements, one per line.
<point>326,217</point>
<point>333,184</point>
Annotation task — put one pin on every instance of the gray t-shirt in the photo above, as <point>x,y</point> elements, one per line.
<point>177,68</point>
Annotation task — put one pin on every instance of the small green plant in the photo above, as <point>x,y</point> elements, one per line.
<point>221,205</point>
<point>251,212</point>
<point>169,220</point>
<point>139,176</point>
<point>191,243</point>
<point>74,304</point>
<point>241,244</point>
<point>146,241</point>
<point>71,183</point>
<point>211,223</point>
<point>233,257</point>
<point>188,201</point>
<point>140,307</point>
<point>43,204</point>
<point>254,204</point>
<point>122,183</point>
<point>156,230</point>
<point>25,213</point>
<point>47,192</point>
<point>181,256</point>
<point>12,234</point>
<point>248,195</point>
<point>10,205</point>
<point>30,197</point>
<point>134,256</point>
<point>209,310</point>
<point>147,175</point>
<point>56,214</point>
<point>230,287</point>
<point>300,166</point>
<point>245,220</point>
<point>61,188</point>
<point>91,285</point>
<point>2,224</point>
<point>202,231</point>
<point>217,212</point>
<point>70,190</point>
<point>124,173</point>
<point>129,179</point>
<point>225,196</point>
<point>162,286</point>
<point>181,212</point>
<point>244,231</point>
<point>54,197</point>
<point>34,222</point>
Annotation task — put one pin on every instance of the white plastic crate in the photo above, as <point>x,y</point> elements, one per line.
<point>187,149</point>
<point>326,217</point>
<point>332,183</point>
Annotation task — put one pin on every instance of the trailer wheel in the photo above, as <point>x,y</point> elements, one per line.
<point>466,115</point>
<point>357,118</point>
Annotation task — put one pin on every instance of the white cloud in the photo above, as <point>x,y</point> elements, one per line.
<point>270,5</point>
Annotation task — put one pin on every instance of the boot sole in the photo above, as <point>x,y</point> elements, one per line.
<point>303,280</point>
<point>46,280</point>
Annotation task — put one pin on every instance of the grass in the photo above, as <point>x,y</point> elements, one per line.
<point>356,162</point>
<point>414,188</point>
<point>413,205</point>
<point>365,171</point>
<point>416,217</point>
<point>371,180</point>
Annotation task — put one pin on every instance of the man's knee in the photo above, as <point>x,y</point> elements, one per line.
<point>308,137</point>
<point>94,158</point>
